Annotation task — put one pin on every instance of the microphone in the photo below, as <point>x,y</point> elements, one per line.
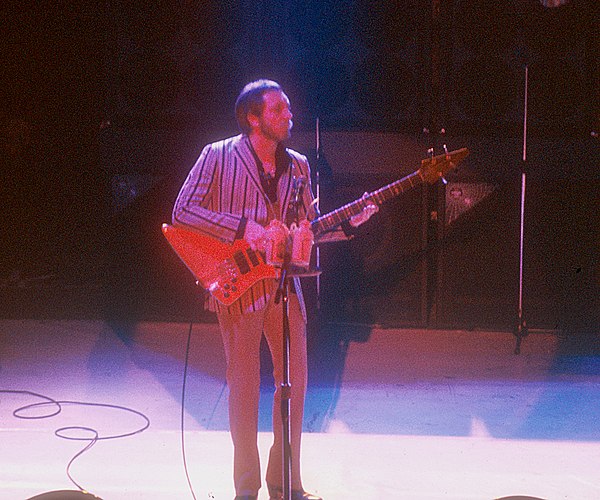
<point>300,182</point>
<point>298,186</point>
<point>296,197</point>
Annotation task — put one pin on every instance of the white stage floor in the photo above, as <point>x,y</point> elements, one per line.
<point>394,414</point>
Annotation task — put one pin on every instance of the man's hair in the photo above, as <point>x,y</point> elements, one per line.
<point>250,100</point>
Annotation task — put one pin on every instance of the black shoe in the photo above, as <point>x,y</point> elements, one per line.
<point>277,494</point>
<point>304,495</point>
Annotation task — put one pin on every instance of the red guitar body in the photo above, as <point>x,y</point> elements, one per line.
<point>225,271</point>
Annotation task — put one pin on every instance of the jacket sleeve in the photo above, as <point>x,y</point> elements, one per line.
<point>197,205</point>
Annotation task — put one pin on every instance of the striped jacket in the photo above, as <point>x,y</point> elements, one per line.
<point>222,188</point>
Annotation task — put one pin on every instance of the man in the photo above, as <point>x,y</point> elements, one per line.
<point>236,187</point>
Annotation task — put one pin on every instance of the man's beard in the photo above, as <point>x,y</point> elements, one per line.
<point>275,135</point>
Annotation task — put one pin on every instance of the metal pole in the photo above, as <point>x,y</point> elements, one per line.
<point>318,204</point>
<point>521,329</point>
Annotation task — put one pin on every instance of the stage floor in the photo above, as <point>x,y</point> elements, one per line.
<point>390,414</point>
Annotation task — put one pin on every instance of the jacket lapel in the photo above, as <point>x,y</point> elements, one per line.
<point>285,189</point>
<point>246,157</point>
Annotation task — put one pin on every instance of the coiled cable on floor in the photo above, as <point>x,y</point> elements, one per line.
<point>66,432</point>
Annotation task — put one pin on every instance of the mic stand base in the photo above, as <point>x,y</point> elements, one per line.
<point>520,332</point>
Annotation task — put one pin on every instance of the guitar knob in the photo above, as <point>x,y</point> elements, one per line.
<point>226,295</point>
<point>226,286</point>
<point>234,288</point>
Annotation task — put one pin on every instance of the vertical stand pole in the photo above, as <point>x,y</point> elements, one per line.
<point>432,193</point>
<point>318,204</point>
<point>282,294</point>
<point>521,328</point>
<point>286,387</point>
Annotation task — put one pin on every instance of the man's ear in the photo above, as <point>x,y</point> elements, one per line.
<point>253,120</point>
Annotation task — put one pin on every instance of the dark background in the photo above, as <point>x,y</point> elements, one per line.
<point>106,105</point>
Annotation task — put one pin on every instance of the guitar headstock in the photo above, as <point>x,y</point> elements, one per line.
<point>434,168</point>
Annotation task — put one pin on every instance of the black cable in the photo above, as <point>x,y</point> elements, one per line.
<point>185,370</point>
<point>92,442</point>
<point>62,432</point>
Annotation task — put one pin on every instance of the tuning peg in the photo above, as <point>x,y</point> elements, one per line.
<point>446,151</point>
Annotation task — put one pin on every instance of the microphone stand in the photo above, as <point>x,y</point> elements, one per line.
<point>521,329</point>
<point>282,295</point>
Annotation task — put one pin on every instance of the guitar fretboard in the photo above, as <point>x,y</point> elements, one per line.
<point>335,218</point>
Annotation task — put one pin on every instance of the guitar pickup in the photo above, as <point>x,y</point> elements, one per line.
<point>241,262</point>
<point>253,257</point>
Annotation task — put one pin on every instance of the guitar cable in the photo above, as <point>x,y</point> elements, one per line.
<point>182,422</point>
<point>66,432</point>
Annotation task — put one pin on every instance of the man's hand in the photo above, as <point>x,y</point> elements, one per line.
<point>255,235</point>
<point>365,215</point>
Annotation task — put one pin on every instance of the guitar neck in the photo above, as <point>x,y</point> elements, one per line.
<point>335,218</point>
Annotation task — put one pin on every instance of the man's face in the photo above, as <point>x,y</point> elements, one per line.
<point>275,123</point>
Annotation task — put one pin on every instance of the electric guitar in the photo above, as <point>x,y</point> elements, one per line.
<point>226,271</point>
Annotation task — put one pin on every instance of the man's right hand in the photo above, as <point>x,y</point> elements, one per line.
<point>255,235</point>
